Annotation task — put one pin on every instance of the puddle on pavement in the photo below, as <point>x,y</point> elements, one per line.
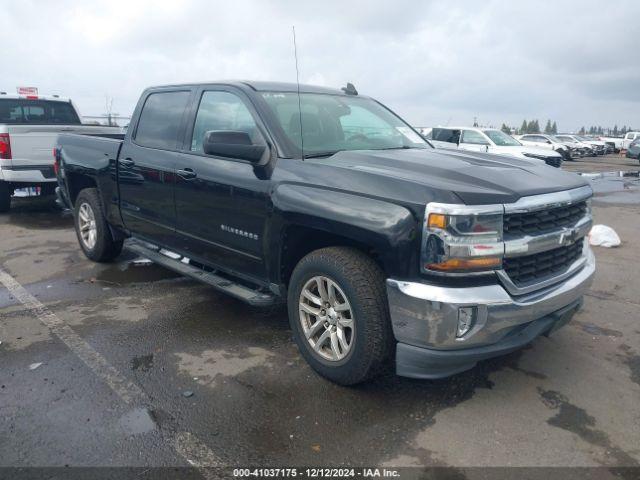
<point>138,421</point>
<point>615,187</point>
<point>134,271</point>
<point>36,213</point>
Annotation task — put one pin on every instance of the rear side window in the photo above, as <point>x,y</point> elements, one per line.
<point>160,120</point>
<point>445,135</point>
<point>22,111</point>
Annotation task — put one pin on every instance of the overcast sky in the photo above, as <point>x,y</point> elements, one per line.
<point>576,62</point>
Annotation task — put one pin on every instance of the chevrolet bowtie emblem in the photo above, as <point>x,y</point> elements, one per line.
<point>568,237</point>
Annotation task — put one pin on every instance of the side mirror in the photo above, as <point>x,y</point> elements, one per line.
<point>548,141</point>
<point>232,144</point>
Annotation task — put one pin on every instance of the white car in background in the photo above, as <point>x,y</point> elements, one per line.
<point>29,128</point>
<point>547,142</point>
<point>599,147</point>
<point>581,149</point>
<point>585,144</point>
<point>488,140</point>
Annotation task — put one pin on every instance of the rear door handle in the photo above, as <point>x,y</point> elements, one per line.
<point>187,174</point>
<point>127,162</point>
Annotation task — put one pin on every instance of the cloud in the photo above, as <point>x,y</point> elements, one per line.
<point>575,62</point>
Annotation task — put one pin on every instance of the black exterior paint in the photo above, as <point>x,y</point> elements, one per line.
<point>234,215</point>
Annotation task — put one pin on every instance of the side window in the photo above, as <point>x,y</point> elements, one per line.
<point>445,135</point>
<point>160,119</point>
<point>473,137</point>
<point>223,111</point>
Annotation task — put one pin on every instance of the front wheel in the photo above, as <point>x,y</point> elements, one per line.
<point>5,196</point>
<point>92,229</point>
<point>339,314</point>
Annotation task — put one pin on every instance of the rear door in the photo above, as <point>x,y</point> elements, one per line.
<point>221,204</point>
<point>147,164</point>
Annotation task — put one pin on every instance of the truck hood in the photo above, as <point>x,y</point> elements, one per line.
<point>476,178</point>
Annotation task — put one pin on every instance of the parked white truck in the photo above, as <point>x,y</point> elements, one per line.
<point>29,127</point>
<point>621,143</point>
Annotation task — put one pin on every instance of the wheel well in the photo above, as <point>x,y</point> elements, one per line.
<point>299,241</point>
<point>78,182</point>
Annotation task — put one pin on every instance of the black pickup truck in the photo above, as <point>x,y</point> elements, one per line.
<point>382,247</point>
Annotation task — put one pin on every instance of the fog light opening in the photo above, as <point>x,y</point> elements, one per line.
<point>466,320</point>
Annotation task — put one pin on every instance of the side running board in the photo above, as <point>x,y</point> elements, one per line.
<point>176,262</point>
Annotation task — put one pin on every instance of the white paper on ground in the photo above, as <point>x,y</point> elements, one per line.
<point>603,236</point>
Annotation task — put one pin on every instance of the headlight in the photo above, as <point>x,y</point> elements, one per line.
<point>459,239</point>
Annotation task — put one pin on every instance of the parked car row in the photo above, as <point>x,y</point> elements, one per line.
<point>571,146</point>
<point>550,148</point>
<point>621,143</point>
<point>489,140</point>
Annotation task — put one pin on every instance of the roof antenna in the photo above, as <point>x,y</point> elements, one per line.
<point>295,54</point>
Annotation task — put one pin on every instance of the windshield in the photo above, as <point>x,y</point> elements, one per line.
<point>36,112</point>
<point>554,139</point>
<point>566,139</point>
<point>501,139</point>
<point>331,123</point>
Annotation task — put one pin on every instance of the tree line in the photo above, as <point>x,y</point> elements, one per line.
<point>551,128</point>
<point>532,126</point>
<point>615,131</point>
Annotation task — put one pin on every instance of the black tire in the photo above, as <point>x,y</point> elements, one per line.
<point>362,281</point>
<point>105,248</point>
<point>5,196</point>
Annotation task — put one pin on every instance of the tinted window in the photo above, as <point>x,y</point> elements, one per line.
<point>445,135</point>
<point>37,112</point>
<point>160,119</point>
<point>473,137</point>
<point>223,111</point>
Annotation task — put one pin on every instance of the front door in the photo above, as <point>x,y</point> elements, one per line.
<point>473,141</point>
<point>221,205</point>
<point>147,164</point>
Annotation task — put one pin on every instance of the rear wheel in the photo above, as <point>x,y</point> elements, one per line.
<point>5,196</point>
<point>339,315</point>
<point>92,229</point>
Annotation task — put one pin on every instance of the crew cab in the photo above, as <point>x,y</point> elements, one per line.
<point>489,140</point>
<point>384,248</point>
<point>29,127</point>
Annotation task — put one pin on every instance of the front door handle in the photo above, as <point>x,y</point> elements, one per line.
<point>127,162</point>
<point>187,174</point>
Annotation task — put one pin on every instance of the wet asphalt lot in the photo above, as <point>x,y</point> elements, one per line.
<point>569,400</point>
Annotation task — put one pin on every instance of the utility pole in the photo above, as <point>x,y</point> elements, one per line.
<point>109,114</point>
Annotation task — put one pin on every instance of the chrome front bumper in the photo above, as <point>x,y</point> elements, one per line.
<point>425,319</point>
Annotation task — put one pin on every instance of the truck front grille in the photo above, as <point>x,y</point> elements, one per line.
<point>537,222</point>
<point>539,266</point>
